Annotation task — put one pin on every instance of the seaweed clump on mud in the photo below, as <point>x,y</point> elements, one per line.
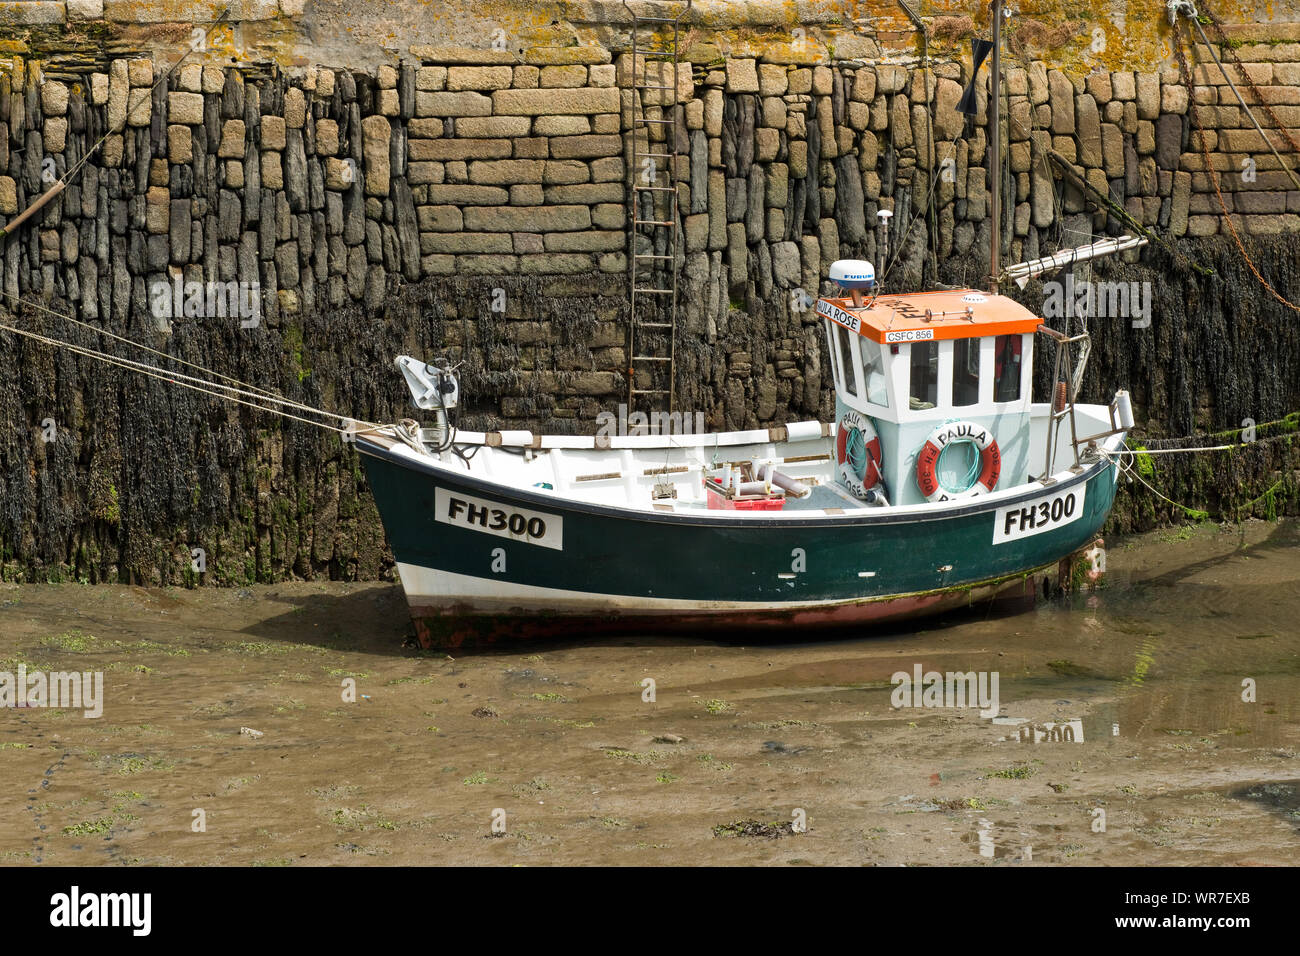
<point>754,828</point>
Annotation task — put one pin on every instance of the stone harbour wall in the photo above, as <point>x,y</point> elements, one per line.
<point>474,203</point>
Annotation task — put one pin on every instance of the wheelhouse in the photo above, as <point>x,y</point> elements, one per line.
<point>911,364</point>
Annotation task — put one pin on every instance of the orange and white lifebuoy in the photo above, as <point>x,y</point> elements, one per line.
<point>927,460</point>
<point>857,458</point>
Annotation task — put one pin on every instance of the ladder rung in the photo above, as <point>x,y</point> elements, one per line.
<point>672,53</point>
<point>650,358</point>
<point>657,189</point>
<point>649,391</point>
<point>657,122</point>
<point>658,155</point>
<point>656,20</point>
<point>646,255</point>
<point>654,325</point>
<point>654,222</point>
<point>653,87</point>
<point>654,291</point>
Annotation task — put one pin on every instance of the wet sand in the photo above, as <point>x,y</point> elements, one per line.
<point>557,741</point>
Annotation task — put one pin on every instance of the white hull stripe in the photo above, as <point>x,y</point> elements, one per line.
<point>428,588</point>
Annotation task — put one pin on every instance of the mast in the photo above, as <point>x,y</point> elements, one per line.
<point>995,164</point>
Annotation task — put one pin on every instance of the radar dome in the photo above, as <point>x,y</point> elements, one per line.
<point>850,274</point>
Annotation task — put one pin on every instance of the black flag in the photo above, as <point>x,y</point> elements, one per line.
<point>979,52</point>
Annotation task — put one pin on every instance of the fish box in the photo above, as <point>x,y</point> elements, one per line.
<point>719,501</point>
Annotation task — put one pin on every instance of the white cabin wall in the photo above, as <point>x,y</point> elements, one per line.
<point>903,432</point>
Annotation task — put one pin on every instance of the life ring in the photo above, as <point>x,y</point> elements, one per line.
<point>857,465</point>
<point>927,460</point>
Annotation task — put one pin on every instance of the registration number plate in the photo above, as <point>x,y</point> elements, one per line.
<point>505,521</point>
<point>1037,515</point>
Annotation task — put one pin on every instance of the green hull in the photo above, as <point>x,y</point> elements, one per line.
<point>608,566</point>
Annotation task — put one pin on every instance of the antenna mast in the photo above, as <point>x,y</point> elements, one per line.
<point>995,163</point>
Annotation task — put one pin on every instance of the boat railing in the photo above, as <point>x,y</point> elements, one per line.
<point>1062,404</point>
<point>1065,386</point>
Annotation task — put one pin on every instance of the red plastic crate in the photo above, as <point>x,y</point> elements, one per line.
<point>720,502</point>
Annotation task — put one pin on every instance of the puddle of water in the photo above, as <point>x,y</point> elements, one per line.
<point>1279,797</point>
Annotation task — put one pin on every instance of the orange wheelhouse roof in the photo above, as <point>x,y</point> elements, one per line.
<point>924,316</point>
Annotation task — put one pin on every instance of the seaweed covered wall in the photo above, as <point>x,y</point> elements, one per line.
<point>471,201</point>
<point>1219,365</point>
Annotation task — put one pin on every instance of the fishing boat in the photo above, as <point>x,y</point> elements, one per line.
<point>940,482</point>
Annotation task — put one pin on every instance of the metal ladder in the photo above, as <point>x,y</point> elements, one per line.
<point>655,128</point>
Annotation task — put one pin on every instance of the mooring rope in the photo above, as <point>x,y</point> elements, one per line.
<point>212,389</point>
<point>1134,473</point>
<point>62,182</point>
<point>1174,451</point>
<point>145,348</point>
<point>1186,9</point>
<point>1197,512</point>
<point>1127,468</point>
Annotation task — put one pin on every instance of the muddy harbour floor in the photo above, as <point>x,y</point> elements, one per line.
<point>776,753</point>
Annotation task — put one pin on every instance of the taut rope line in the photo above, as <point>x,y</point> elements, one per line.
<point>260,399</point>
<point>145,348</point>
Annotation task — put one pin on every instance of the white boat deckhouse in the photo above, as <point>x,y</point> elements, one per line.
<point>906,366</point>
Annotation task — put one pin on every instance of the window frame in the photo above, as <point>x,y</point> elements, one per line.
<point>855,362</point>
<point>940,405</point>
<point>884,365</point>
<point>859,402</point>
<point>830,347</point>
<point>977,341</point>
<point>1026,370</point>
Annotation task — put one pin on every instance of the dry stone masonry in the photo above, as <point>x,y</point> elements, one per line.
<point>332,185</point>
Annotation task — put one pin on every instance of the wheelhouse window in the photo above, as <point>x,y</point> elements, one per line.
<point>830,346</point>
<point>873,372</point>
<point>923,390</point>
<point>965,372</point>
<point>1006,368</point>
<point>846,360</point>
